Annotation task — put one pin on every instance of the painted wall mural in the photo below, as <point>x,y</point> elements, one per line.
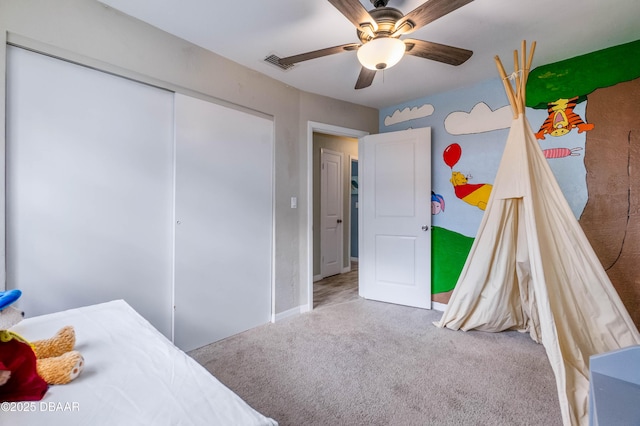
<point>480,119</point>
<point>562,119</point>
<point>407,114</point>
<point>475,194</point>
<point>480,129</point>
<point>561,152</point>
<point>586,133</point>
<point>437,203</point>
<point>609,81</point>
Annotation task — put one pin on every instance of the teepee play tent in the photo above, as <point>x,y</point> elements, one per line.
<point>532,269</point>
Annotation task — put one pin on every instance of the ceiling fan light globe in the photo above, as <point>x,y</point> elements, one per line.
<point>381,53</point>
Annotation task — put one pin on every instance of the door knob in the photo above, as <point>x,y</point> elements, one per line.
<point>425,228</point>
<point>339,220</point>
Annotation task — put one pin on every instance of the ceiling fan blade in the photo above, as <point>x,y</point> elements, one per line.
<point>437,52</point>
<point>289,60</point>
<point>355,12</point>
<point>425,13</point>
<point>365,78</point>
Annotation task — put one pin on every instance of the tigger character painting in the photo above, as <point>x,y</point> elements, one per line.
<point>562,119</point>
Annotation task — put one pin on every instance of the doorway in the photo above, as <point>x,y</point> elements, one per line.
<point>333,281</point>
<point>340,140</point>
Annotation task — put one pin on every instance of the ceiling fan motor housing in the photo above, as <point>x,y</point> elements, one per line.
<point>386,18</point>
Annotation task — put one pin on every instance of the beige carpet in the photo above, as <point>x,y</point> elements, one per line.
<point>371,363</point>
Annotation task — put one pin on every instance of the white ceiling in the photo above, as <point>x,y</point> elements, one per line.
<point>247,31</point>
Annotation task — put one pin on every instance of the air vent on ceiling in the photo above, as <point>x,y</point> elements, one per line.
<point>275,60</point>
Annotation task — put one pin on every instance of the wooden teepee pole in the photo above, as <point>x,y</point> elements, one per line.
<point>507,86</point>
<point>530,60</point>
<point>516,73</point>
<point>521,66</point>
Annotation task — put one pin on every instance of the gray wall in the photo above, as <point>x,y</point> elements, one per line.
<point>90,33</point>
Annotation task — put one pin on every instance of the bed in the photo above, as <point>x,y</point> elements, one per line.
<point>133,375</point>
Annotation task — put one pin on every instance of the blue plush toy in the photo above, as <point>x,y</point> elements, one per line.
<point>8,297</point>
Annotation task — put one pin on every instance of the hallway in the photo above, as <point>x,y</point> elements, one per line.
<point>337,288</point>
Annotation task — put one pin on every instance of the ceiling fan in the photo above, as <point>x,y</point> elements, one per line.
<point>379,31</point>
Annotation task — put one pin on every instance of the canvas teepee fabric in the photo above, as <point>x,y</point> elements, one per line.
<point>532,269</point>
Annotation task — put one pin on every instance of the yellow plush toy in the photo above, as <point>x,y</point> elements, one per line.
<point>26,368</point>
<point>58,363</point>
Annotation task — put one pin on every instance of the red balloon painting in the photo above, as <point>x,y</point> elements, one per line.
<point>452,154</point>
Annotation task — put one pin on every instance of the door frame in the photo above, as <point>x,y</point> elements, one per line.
<point>328,129</point>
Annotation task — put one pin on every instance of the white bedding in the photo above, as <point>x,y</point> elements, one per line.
<point>133,376</point>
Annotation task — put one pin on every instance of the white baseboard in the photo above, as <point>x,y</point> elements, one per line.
<point>343,271</point>
<point>289,313</point>
<point>438,306</point>
<point>305,308</point>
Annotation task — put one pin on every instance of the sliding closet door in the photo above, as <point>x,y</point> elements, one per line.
<point>224,221</point>
<point>89,188</point>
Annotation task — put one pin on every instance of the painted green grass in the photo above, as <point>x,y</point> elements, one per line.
<point>449,251</point>
<point>583,74</point>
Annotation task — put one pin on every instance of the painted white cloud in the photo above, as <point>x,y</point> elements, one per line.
<point>408,114</point>
<point>480,119</point>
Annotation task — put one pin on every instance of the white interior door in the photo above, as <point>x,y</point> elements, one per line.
<point>224,221</point>
<point>331,210</point>
<point>395,217</point>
